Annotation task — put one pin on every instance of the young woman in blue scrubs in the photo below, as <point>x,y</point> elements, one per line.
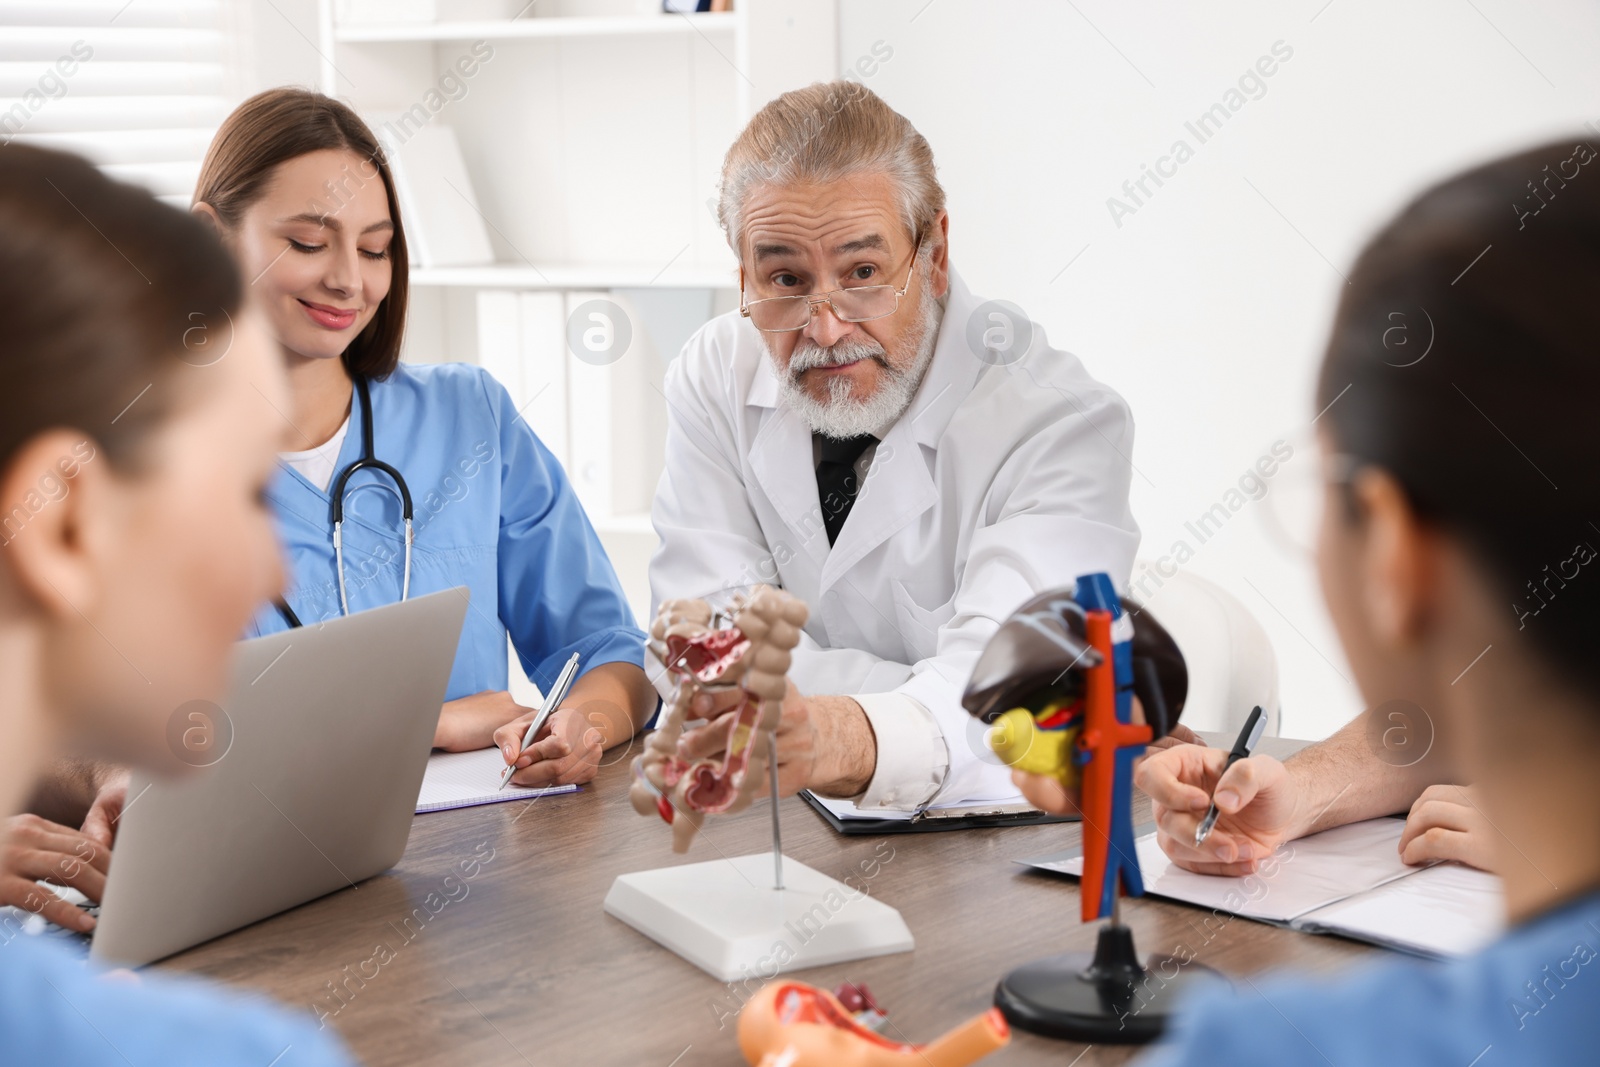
<point>1458,560</point>
<point>297,186</point>
<point>137,542</point>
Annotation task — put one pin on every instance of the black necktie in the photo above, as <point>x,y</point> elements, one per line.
<point>837,483</point>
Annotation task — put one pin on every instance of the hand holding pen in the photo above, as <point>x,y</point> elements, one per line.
<point>1259,804</point>
<point>1248,738</point>
<point>547,708</point>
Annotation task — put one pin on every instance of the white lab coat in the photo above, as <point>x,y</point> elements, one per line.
<point>1001,479</point>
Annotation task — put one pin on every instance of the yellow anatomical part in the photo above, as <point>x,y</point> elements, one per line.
<point>1016,738</point>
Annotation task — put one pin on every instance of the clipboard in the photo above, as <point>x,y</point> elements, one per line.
<point>933,820</point>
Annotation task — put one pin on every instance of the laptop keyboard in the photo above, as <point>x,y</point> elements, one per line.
<point>14,920</point>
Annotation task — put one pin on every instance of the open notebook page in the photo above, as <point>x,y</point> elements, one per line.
<point>1444,910</point>
<point>1304,875</point>
<point>1348,880</point>
<point>463,779</point>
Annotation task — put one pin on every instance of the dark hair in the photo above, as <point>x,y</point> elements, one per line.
<point>274,127</point>
<point>1465,360</point>
<point>104,286</point>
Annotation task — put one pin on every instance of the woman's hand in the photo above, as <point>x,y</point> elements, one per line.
<point>1446,824</point>
<point>100,824</point>
<point>35,849</point>
<point>470,723</point>
<point>566,749</point>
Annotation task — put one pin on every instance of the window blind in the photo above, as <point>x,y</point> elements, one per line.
<point>137,87</point>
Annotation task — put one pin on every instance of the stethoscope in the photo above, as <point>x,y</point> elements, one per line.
<point>368,461</point>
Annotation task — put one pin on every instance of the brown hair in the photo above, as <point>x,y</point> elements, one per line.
<point>822,133</point>
<point>105,286</point>
<point>274,127</point>
<point>1463,361</point>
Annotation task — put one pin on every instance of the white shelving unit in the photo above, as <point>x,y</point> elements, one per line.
<point>568,276</point>
<point>530,28</point>
<point>593,133</point>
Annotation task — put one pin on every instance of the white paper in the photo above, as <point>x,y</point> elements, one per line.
<point>462,779</point>
<point>1444,910</point>
<point>844,809</point>
<point>1304,875</point>
<point>1349,881</point>
<point>1014,804</point>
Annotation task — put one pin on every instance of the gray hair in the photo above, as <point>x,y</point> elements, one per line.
<point>825,132</point>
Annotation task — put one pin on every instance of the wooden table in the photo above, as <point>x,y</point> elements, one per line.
<point>519,964</point>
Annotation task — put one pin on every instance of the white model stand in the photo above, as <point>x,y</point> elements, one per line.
<point>726,917</point>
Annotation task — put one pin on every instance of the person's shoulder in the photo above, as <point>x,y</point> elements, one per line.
<point>1020,375</point>
<point>48,997</point>
<point>1270,1020</point>
<point>1053,382</point>
<point>722,347</point>
<point>721,335</point>
<point>444,381</point>
<point>456,395</point>
<point>1405,1011</point>
<point>720,360</point>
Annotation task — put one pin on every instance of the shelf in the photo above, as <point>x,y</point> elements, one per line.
<point>567,276</point>
<point>539,28</point>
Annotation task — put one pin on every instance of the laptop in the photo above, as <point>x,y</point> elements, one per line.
<point>309,780</point>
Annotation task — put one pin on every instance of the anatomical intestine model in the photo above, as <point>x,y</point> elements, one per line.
<point>751,655</point>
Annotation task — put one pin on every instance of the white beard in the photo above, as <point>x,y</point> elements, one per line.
<point>844,414</point>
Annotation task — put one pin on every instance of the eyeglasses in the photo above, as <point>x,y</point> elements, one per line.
<point>862,303</point>
<point>1292,507</point>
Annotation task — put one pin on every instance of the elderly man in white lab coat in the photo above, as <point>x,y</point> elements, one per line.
<point>909,459</point>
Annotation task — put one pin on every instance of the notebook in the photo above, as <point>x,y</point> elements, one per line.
<point>1348,881</point>
<point>848,819</point>
<point>465,779</point>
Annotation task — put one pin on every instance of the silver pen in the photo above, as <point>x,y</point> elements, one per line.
<point>558,693</point>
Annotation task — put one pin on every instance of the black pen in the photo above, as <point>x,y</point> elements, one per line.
<point>1241,749</point>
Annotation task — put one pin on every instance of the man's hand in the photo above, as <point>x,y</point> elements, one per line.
<point>36,849</point>
<point>1178,735</point>
<point>566,749</point>
<point>1258,800</point>
<point>1048,794</point>
<point>471,723</point>
<point>824,743</point>
<point>798,743</point>
<point>1446,824</point>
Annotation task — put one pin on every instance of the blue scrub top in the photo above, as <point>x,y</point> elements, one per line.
<point>56,1008</point>
<point>492,510</point>
<point>1531,997</point>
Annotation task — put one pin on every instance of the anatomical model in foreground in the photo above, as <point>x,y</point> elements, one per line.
<point>791,1024</point>
<point>752,656</point>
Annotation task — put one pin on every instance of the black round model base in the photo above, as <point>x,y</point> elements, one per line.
<point>1106,998</point>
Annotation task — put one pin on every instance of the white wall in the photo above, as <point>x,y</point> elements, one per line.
<point>280,48</point>
<point>1207,306</point>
